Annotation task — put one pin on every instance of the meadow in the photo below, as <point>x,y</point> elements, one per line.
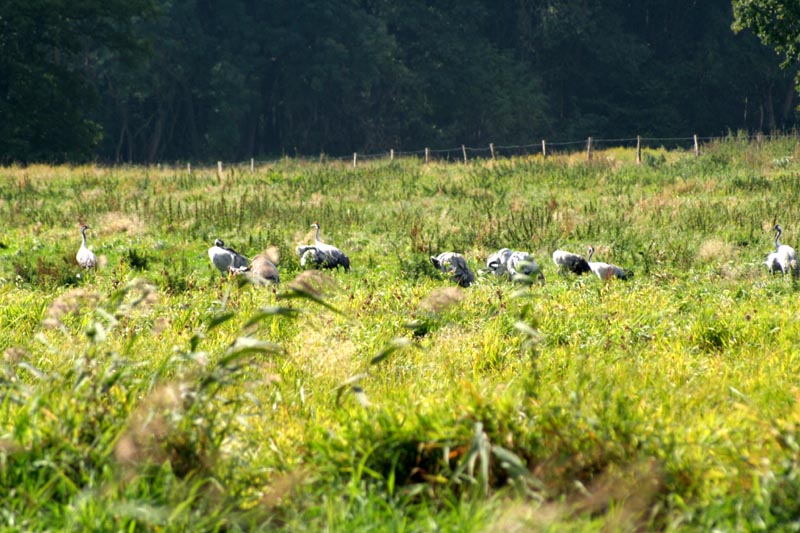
<point>153,394</point>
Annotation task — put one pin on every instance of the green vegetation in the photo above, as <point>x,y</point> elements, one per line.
<point>153,394</point>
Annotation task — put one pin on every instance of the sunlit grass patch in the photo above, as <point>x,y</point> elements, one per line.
<point>386,396</point>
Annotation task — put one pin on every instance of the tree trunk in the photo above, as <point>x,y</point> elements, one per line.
<point>155,138</point>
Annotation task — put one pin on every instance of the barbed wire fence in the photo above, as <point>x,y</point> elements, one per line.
<point>464,153</point>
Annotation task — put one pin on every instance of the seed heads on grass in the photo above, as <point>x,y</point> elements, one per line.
<point>71,303</point>
<point>441,299</point>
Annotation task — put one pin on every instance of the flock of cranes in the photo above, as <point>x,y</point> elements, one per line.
<point>512,264</point>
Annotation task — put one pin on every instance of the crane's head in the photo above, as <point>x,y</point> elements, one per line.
<point>589,251</point>
<point>778,228</point>
<point>84,227</point>
<point>218,242</point>
<point>315,225</point>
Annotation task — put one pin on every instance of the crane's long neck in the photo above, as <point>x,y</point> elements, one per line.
<point>591,253</point>
<point>316,234</point>
<point>83,235</point>
<point>777,236</point>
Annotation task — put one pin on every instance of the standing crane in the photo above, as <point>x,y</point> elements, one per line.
<point>606,271</point>
<point>784,258</point>
<point>322,255</point>
<point>456,265</point>
<point>85,256</point>
<point>226,259</point>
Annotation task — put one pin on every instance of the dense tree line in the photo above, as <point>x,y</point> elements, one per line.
<point>154,80</point>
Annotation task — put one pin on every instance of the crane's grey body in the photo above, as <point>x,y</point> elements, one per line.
<point>572,262</point>
<point>456,265</point>
<point>606,271</point>
<point>261,271</point>
<point>85,257</point>
<point>264,271</point>
<point>514,264</point>
<point>784,258</point>
<point>226,259</point>
<point>322,255</point>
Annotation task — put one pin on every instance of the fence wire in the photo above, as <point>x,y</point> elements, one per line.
<point>544,147</point>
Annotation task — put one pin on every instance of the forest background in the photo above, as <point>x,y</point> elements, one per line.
<point>141,81</point>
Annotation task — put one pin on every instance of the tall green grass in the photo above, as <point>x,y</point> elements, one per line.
<point>153,394</point>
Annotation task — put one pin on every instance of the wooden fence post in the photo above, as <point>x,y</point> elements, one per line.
<point>355,159</point>
<point>189,168</point>
<point>696,146</point>
<point>589,149</point>
<point>638,149</point>
<point>252,165</point>
<point>464,151</point>
<point>391,154</point>
<point>219,168</point>
<point>544,148</point>
<point>427,155</point>
<point>491,148</point>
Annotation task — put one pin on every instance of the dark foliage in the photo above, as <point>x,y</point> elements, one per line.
<point>158,80</point>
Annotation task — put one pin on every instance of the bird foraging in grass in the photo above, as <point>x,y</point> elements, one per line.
<point>514,264</point>
<point>85,256</point>
<point>322,255</point>
<point>567,261</point>
<point>456,265</point>
<point>606,271</point>
<point>226,259</point>
<point>784,258</point>
<point>264,271</point>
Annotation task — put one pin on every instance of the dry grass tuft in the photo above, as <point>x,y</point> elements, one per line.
<point>441,299</point>
<point>118,222</point>
<point>14,354</point>
<point>146,442</point>
<point>625,496</point>
<point>69,304</point>
<point>716,251</point>
<point>312,282</point>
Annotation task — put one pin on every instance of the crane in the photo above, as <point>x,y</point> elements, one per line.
<point>321,254</point>
<point>263,270</point>
<point>226,259</point>
<point>784,258</point>
<point>572,262</point>
<point>506,262</point>
<point>85,256</point>
<point>456,265</point>
<point>606,271</point>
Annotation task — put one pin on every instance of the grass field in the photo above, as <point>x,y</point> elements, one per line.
<point>153,394</point>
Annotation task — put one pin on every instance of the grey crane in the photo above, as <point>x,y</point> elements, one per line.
<point>226,259</point>
<point>572,262</point>
<point>263,270</point>
<point>784,258</point>
<point>322,255</point>
<point>85,256</point>
<point>514,264</point>
<point>456,265</point>
<point>606,271</point>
